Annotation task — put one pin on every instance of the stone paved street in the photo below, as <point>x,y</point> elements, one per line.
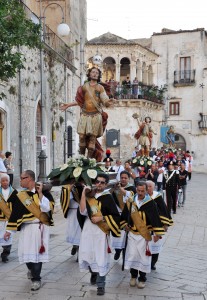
<point>181,271</point>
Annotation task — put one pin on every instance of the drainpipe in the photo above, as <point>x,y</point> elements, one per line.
<point>65,130</point>
<point>20,118</point>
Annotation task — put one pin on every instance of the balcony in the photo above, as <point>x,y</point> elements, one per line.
<point>202,124</point>
<point>52,42</point>
<point>184,78</point>
<point>134,91</point>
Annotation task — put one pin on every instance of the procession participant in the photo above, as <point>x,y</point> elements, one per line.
<point>128,168</point>
<point>161,170</point>
<point>152,174</point>
<point>31,215</point>
<point>91,97</point>
<point>121,192</point>
<point>171,184</point>
<point>183,174</point>
<point>6,192</point>
<point>102,217</point>
<point>108,166</point>
<point>118,168</point>
<point>70,199</point>
<point>140,216</point>
<point>144,134</point>
<point>164,217</point>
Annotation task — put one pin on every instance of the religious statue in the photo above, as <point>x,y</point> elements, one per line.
<point>144,134</point>
<point>91,97</point>
<point>170,135</point>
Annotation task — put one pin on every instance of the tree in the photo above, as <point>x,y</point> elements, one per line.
<point>15,30</point>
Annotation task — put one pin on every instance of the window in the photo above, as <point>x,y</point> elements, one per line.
<point>185,68</point>
<point>174,108</point>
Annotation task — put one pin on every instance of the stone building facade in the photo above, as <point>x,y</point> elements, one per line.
<point>30,110</point>
<point>176,59</point>
<point>183,65</point>
<point>122,58</point>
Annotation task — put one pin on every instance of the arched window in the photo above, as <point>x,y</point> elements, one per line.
<point>109,69</point>
<point>125,68</point>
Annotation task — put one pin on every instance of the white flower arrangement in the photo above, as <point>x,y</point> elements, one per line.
<point>76,168</point>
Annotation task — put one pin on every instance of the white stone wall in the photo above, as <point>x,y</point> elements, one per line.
<point>171,47</point>
<point>29,85</point>
<point>120,118</point>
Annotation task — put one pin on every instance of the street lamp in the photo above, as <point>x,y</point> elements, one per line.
<point>63,30</point>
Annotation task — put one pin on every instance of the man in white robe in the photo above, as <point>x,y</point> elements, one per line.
<point>5,190</point>
<point>102,217</point>
<point>34,235</point>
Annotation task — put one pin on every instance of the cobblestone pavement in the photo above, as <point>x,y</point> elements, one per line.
<point>181,270</point>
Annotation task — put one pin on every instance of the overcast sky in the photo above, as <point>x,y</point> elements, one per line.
<point>139,19</point>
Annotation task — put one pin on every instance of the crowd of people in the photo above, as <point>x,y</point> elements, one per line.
<point>129,218</point>
<point>6,165</point>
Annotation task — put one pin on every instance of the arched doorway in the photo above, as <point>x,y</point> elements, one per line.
<point>125,68</point>
<point>109,69</point>
<point>180,142</point>
<point>38,132</point>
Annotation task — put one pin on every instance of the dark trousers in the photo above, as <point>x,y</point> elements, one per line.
<point>11,176</point>
<point>100,280</point>
<point>154,259</point>
<point>6,251</point>
<point>35,269</point>
<point>171,197</point>
<point>189,175</point>
<point>159,186</point>
<point>134,274</point>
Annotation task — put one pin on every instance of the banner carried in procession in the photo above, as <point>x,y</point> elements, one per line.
<point>163,134</point>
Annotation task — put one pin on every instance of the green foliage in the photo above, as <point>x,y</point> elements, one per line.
<point>15,30</point>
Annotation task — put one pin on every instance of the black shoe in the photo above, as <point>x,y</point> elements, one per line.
<point>4,259</point>
<point>174,212</point>
<point>117,254</point>
<point>74,250</point>
<point>93,278</point>
<point>153,268</point>
<point>100,291</point>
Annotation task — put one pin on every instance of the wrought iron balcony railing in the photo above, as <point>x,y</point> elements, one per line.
<point>203,122</point>
<point>186,77</point>
<point>135,91</point>
<point>51,40</point>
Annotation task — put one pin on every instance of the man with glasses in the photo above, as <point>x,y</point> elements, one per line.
<point>31,215</point>
<point>102,217</point>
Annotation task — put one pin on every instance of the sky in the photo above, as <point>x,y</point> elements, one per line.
<point>140,19</point>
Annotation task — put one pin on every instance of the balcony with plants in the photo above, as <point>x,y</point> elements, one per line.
<point>141,91</point>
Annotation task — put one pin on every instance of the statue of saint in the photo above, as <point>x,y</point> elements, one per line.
<point>91,97</point>
<point>144,134</point>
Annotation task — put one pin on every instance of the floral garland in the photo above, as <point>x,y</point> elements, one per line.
<point>77,168</point>
<point>143,161</point>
